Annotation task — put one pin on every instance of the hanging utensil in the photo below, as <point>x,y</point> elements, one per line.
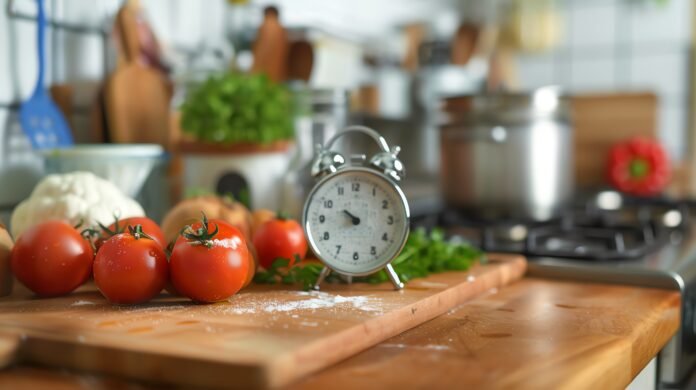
<point>39,117</point>
<point>464,43</point>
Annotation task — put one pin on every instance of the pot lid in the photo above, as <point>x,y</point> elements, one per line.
<point>505,108</point>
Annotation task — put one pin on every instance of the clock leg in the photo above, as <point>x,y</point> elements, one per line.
<point>324,273</point>
<point>394,277</point>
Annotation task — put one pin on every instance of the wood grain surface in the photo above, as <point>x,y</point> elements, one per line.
<point>535,333</point>
<point>264,337</point>
<point>600,121</point>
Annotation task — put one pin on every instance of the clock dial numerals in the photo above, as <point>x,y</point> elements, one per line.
<point>357,221</point>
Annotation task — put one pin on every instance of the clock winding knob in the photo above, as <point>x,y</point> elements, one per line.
<point>326,162</point>
<point>389,163</point>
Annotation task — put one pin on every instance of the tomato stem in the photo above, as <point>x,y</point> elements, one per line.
<point>638,168</point>
<point>202,235</point>
<point>117,229</point>
<point>89,234</point>
<point>137,232</point>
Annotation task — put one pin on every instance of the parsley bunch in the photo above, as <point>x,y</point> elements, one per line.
<point>239,108</point>
<point>424,254</point>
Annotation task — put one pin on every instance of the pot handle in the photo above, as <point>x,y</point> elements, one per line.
<point>496,135</point>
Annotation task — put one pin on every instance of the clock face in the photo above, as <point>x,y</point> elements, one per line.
<point>356,221</point>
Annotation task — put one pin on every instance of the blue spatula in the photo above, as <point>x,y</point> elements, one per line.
<point>40,118</point>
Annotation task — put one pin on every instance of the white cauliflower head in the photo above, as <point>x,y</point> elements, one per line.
<point>73,197</point>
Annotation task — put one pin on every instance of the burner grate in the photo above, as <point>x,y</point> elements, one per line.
<point>631,229</point>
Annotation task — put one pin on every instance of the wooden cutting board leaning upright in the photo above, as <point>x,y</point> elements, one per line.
<point>137,97</point>
<point>266,336</point>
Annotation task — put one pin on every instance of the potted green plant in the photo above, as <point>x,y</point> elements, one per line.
<point>236,132</point>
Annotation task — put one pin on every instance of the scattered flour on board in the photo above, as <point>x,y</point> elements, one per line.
<point>429,347</point>
<point>307,300</point>
<point>82,303</point>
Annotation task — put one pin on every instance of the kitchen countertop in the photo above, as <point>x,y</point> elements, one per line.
<point>536,333</point>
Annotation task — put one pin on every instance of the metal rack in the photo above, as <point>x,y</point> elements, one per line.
<point>15,14</point>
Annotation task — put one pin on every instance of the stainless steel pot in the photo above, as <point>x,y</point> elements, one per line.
<point>507,155</point>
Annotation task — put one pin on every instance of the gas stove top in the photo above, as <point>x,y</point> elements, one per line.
<point>605,238</point>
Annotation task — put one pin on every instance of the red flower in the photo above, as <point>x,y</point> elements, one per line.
<point>639,167</point>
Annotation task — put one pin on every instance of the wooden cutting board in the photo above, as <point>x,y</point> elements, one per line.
<point>266,336</point>
<point>599,122</point>
<point>136,96</point>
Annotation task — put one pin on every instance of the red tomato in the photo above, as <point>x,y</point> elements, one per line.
<point>130,269</point>
<point>52,259</point>
<point>224,228</point>
<point>121,226</point>
<point>279,238</point>
<point>210,268</point>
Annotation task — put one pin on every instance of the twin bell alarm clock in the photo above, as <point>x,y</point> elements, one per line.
<point>356,217</point>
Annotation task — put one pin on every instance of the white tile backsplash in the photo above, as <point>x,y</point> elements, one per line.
<point>592,24</point>
<point>660,22</point>
<point>673,124</point>
<point>536,71</point>
<point>664,73</point>
<point>20,167</point>
<point>18,56</point>
<point>625,45</point>
<point>593,74</point>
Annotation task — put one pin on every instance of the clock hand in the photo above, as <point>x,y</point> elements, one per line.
<point>353,218</point>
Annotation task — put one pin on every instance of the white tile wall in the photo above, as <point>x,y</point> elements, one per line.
<point>624,45</point>
<point>17,58</point>
<point>592,24</point>
<point>592,74</point>
<point>660,22</point>
<point>673,127</point>
<point>537,70</point>
<point>665,73</point>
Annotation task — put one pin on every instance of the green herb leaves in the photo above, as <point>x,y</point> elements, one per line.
<point>422,255</point>
<point>238,108</point>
